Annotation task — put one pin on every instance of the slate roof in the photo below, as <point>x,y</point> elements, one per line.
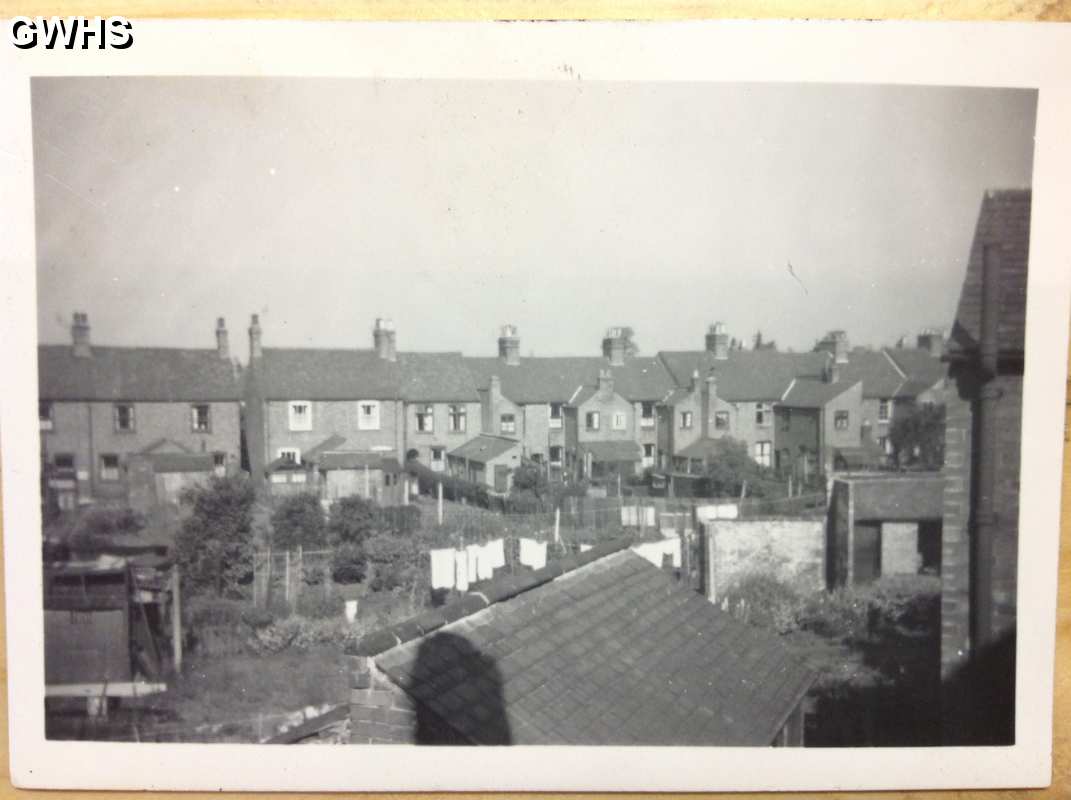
<point>921,368</point>
<point>1004,218</point>
<point>554,379</point>
<point>353,459</point>
<point>345,374</point>
<point>483,448</point>
<point>745,374</point>
<point>605,452</point>
<point>880,376</point>
<point>149,374</point>
<point>811,393</point>
<point>181,462</point>
<point>600,648</point>
<point>702,448</point>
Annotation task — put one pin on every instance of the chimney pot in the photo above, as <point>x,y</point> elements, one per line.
<point>613,346</point>
<point>384,339</point>
<point>255,349</point>
<point>80,335</point>
<point>509,345</point>
<point>718,341</point>
<point>223,345</point>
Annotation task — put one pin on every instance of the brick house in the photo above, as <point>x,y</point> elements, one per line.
<point>983,436</point>
<point>601,648</point>
<point>748,384</point>
<point>488,460</point>
<point>818,421</point>
<point>117,419</point>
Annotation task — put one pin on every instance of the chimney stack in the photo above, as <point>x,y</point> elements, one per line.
<point>695,380</point>
<point>255,351</point>
<point>80,335</point>
<point>718,341</point>
<point>832,371</point>
<point>223,342</point>
<point>613,347</point>
<point>932,340</point>
<point>384,339</point>
<point>606,382</point>
<point>836,344</point>
<point>509,345</point>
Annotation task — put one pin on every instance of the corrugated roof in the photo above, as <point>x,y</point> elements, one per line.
<point>613,652</point>
<point>334,374</point>
<point>811,393</point>
<point>604,452</point>
<point>1004,219</point>
<point>483,448</point>
<point>555,379</point>
<point>150,374</point>
<point>745,374</point>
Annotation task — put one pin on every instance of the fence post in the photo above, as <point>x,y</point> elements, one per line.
<point>256,578</point>
<point>557,523</point>
<point>286,588</point>
<point>176,618</point>
<point>439,493</point>
<point>300,582</point>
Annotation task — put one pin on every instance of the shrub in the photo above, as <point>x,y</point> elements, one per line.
<point>298,520</point>
<point>214,546</point>
<point>351,520</point>
<point>761,599</point>
<point>108,521</point>
<point>348,564</point>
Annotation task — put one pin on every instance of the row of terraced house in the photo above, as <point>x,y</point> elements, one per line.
<point>138,424</point>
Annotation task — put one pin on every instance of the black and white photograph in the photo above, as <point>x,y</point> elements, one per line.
<point>576,411</point>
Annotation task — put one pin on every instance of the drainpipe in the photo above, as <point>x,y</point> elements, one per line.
<point>985,514</point>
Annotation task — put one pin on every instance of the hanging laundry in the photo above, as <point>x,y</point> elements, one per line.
<point>485,570</point>
<point>584,548</point>
<point>533,553</point>
<point>472,553</point>
<point>496,553</point>
<point>461,571</point>
<point>443,572</point>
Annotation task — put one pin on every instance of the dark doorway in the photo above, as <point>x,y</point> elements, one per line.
<point>866,553</point>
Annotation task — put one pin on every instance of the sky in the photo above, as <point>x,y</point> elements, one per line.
<point>563,207</point>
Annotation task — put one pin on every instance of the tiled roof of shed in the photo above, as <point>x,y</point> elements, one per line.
<point>604,452</point>
<point>1004,219</point>
<point>745,374</point>
<point>335,374</point>
<point>353,459</point>
<point>149,374</point>
<point>614,651</point>
<point>555,379</point>
<point>484,447</point>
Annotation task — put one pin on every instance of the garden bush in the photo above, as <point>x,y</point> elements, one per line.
<point>317,605</point>
<point>348,564</point>
<point>351,520</point>
<point>298,521</point>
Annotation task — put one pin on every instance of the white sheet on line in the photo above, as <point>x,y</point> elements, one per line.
<point>533,553</point>
<point>654,551</point>
<point>443,572</point>
<point>461,570</point>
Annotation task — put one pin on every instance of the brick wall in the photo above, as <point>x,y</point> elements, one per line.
<point>330,417</point>
<point>440,435</point>
<point>1006,540</point>
<point>955,533</point>
<point>382,713</point>
<point>792,549</point>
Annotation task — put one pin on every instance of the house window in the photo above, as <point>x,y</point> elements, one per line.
<point>762,413</point>
<point>291,455</point>
<point>63,462</point>
<point>219,464</point>
<point>648,455</point>
<point>109,467</point>
<point>786,419</point>
<point>44,414</point>
<point>840,420</point>
<point>300,415</point>
<point>200,418</point>
<point>507,423</point>
<point>555,415</point>
<point>555,455</point>
<point>885,445</point>
<point>124,417</point>
<point>425,419</point>
<point>438,458</point>
<point>457,419</point>
<point>591,420</point>
<point>762,453</point>
<point>619,421</point>
<point>647,415</point>
<point>721,420</point>
<point>883,410</point>
<point>368,415</point>
<point>686,420</point>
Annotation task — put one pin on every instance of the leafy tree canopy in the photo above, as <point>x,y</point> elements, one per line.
<point>298,521</point>
<point>214,547</point>
<point>918,437</point>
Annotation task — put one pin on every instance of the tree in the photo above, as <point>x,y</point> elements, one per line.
<point>214,546</point>
<point>298,521</point>
<point>631,348</point>
<point>351,520</point>
<point>918,437</point>
<point>730,466</point>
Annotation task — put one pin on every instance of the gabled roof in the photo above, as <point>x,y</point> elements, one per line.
<point>555,379</point>
<point>608,452</point>
<point>880,376</point>
<point>149,374</point>
<point>336,374</point>
<point>745,374</point>
<point>919,367</point>
<point>332,442</point>
<point>601,648</point>
<point>812,393</point>
<point>483,448</point>
<point>1004,219</point>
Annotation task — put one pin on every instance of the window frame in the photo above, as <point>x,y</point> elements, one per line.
<point>763,414</point>
<point>555,420</point>
<point>425,418</point>
<point>57,466</point>
<point>105,471</point>
<point>550,455</point>
<point>371,421</point>
<point>718,417</point>
<point>647,420</point>
<point>687,420</point>
<point>592,420</point>
<point>763,453</point>
<point>619,417</point>
<point>507,425</point>
<point>884,409</point>
<point>132,426</point>
<point>194,427</point>
<point>283,452</point>
<point>306,422</point>
<point>841,419</point>
<point>456,418</point>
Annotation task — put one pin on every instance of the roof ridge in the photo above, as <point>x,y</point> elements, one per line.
<point>496,591</point>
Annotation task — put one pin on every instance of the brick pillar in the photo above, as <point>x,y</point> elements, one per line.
<point>955,534</point>
<point>380,712</point>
